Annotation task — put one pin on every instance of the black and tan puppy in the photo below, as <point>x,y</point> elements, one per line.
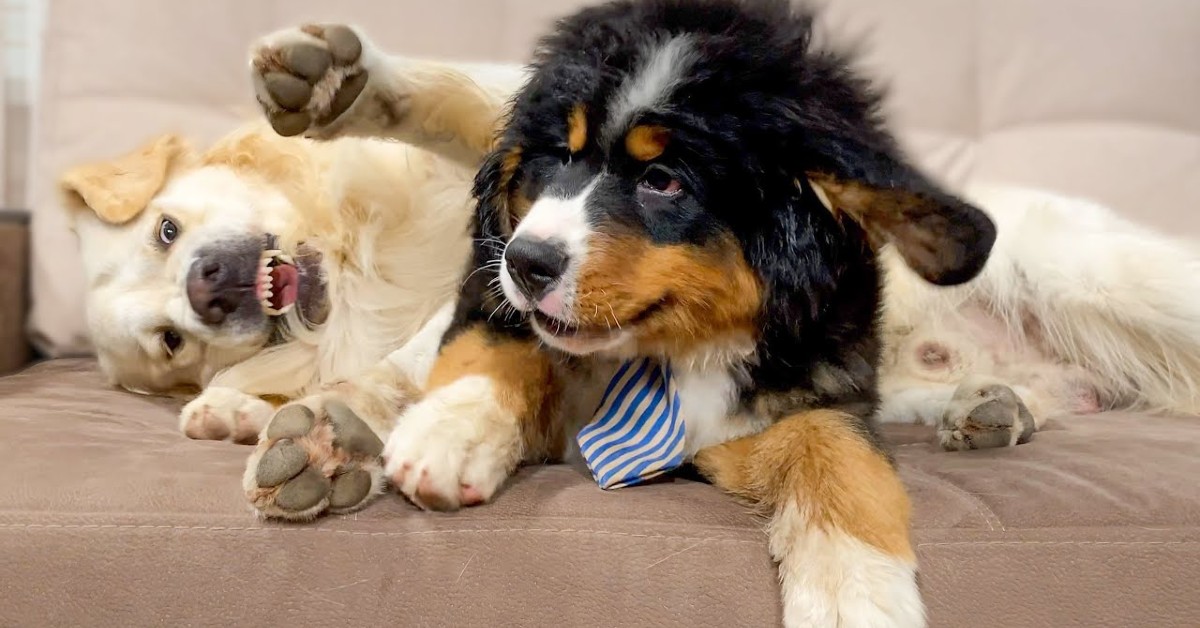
<point>697,183</point>
<point>680,225</point>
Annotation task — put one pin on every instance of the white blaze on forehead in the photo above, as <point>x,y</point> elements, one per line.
<point>564,219</point>
<point>554,218</point>
<point>652,83</point>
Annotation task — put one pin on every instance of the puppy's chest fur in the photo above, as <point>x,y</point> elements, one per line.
<point>719,403</point>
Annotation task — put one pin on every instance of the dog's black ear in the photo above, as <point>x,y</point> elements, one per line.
<point>942,238</point>
<point>499,209</point>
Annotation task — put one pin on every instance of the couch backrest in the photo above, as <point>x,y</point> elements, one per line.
<point>1099,98</point>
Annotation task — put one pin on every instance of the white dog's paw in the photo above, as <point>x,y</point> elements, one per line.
<point>225,414</point>
<point>985,413</point>
<point>317,455</point>
<point>307,78</point>
<point>454,448</point>
<point>830,578</point>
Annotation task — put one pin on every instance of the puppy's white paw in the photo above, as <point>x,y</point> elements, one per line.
<point>225,414</point>
<point>454,448</point>
<point>832,579</point>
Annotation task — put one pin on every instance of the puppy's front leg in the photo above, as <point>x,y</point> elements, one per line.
<point>839,519</point>
<point>329,80</point>
<point>487,407</point>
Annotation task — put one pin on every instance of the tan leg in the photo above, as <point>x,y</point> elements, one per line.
<point>839,526</point>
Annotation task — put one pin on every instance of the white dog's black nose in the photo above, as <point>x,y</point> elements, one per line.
<point>213,290</point>
<point>535,265</point>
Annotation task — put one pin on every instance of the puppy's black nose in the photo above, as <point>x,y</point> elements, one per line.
<point>212,290</point>
<point>535,265</point>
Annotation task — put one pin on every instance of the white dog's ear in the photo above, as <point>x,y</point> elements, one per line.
<point>119,189</point>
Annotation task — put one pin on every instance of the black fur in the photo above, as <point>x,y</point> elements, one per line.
<point>758,109</point>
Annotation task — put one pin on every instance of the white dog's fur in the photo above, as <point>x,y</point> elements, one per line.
<point>1077,310</point>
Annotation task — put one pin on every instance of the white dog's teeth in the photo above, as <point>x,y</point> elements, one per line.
<point>285,258</point>
<point>273,253</point>
<point>287,308</point>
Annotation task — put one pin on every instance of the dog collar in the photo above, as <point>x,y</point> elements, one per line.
<point>636,433</point>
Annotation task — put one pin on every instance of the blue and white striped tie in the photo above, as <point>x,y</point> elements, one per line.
<point>637,432</point>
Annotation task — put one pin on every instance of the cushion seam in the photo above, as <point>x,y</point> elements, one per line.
<point>99,526</point>
<point>982,543</point>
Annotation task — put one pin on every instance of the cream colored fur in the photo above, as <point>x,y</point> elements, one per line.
<point>390,219</point>
<point>1078,309</point>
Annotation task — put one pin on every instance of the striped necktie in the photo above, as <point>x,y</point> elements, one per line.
<point>636,433</point>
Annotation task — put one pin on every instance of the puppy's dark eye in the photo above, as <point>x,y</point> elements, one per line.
<point>167,231</point>
<point>661,180</point>
<point>171,341</point>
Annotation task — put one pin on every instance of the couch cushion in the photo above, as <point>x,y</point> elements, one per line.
<point>106,507</point>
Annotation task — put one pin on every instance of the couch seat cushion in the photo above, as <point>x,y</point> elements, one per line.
<point>107,509</point>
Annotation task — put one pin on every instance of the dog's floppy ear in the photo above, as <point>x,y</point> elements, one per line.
<point>119,189</point>
<point>942,238</point>
<point>498,211</point>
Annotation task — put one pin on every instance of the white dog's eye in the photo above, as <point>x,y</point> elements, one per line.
<point>171,341</point>
<point>167,231</point>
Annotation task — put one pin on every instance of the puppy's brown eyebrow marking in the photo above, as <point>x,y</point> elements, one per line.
<point>645,142</point>
<point>577,128</point>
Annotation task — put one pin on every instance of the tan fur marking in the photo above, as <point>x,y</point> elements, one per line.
<point>577,128</point>
<point>644,143</point>
<point>698,294</point>
<point>119,189</point>
<point>522,375</point>
<point>819,460</point>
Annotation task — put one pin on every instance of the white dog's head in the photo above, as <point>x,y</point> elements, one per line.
<point>193,262</point>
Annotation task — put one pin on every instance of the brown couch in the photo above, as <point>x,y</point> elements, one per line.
<point>109,517</point>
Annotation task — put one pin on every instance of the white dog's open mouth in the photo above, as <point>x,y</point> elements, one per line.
<point>278,283</point>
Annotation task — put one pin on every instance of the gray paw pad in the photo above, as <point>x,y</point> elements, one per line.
<point>345,96</point>
<point>351,433</point>
<point>984,417</point>
<point>289,123</point>
<point>343,44</point>
<point>303,491</point>
<point>291,422</point>
<point>282,462</point>
<point>350,489</point>
<point>288,91</point>
<point>307,60</point>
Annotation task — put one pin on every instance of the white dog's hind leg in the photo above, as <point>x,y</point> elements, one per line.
<point>1100,292</point>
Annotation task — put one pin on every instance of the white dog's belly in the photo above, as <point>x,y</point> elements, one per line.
<point>923,364</point>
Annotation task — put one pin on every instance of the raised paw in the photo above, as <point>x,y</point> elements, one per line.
<point>221,413</point>
<point>454,448</point>
<point>306,78</point>
<point>983,414</point>
<point>313,458</point>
